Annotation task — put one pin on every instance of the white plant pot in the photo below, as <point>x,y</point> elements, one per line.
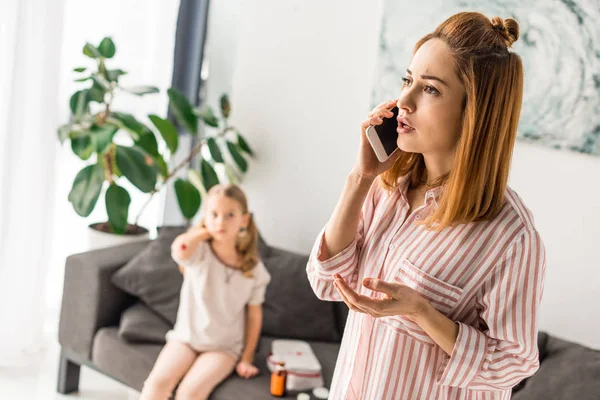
<point>97,239</point>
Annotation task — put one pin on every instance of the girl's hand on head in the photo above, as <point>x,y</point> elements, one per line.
<point>246,370</point>
<point>367,165</point>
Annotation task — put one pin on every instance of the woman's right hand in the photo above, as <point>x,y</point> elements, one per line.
<point>367,165</point>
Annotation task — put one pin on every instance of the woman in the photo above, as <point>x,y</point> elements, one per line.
<point>437,258</point>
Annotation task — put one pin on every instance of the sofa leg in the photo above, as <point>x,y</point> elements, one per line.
<point>68,375</point>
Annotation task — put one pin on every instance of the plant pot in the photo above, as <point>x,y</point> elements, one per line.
<point>100,237</point>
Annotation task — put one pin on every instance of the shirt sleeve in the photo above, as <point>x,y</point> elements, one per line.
<point>505,352</point>
<point>320,271</point>
<point>195,258</point>
<point>261,281</point>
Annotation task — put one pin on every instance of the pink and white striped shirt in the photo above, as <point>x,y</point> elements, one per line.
<point>488,276</point>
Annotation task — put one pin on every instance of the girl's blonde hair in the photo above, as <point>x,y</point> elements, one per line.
<point>247,242</point>
<point>493,80</point>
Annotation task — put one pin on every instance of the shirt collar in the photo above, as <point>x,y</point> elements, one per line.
<point>432,194</point>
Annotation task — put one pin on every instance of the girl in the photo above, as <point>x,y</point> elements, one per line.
<point>437,258</point>
<point>223,289</point>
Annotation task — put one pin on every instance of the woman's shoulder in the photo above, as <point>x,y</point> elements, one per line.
<point>517,208</point>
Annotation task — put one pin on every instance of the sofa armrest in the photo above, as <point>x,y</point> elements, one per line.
<point>90,301</point>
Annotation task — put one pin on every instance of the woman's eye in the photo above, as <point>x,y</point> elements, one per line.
<point>406,81</point>
<point>431,90</point>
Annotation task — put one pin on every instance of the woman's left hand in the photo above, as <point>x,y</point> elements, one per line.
<point>398,299</point>
<point>246,370</point>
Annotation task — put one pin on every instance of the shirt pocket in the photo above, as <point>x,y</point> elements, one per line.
<point>443,297</point>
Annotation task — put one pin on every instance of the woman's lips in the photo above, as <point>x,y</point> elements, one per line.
<point>402,128</point>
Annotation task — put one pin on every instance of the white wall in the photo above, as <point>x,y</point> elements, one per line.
<point>301,85</point>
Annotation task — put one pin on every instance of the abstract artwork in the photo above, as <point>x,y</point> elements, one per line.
<point>559,44</point>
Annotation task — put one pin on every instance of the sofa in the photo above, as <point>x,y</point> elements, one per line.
<point>119,302</point>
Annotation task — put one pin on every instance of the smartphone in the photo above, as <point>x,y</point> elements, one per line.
<point>384,137</point>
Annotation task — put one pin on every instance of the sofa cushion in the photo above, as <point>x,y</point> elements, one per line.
<point>129,363</point>
<point>139,324</point>
<point>291,309</point>
<point>152,275</point>
<point>567,371</point>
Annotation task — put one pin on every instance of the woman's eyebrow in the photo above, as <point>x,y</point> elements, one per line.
<point>430,77</point>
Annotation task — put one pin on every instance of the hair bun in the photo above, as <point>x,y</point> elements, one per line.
<point>508,28</point>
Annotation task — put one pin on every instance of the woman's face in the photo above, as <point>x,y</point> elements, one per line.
<point>224,217</point>
<point>431,101</point>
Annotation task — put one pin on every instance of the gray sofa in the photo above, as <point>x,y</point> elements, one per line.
<point>112,331</point>
<point>119,302</point>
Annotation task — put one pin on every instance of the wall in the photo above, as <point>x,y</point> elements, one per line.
<point>301,85</point>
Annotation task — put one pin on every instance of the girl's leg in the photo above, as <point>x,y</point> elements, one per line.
<point>174,360</point>
<point>209,369</point>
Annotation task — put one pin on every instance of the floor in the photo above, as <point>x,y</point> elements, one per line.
<point>34,378</point>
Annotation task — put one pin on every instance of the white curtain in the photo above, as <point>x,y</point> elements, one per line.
<point>41,41</point>
<point>30,44</point>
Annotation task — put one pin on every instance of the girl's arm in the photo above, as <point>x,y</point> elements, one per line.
<point>253,328</point>
<point>185,245</point>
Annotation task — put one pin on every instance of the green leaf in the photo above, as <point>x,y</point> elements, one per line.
<point>113,74</point>
<point>209,176</point>
<point>195,179</point>
<point>79,69</point>
<point>79,102</point>
<point>91,51</point>
<point>107,47</point>
<point>243,144</point>
<point>183,111</point>
<point>86,189</point>
<point>148,143</point>
<point>82,146</point>
<point>232,175</point>
<point>117,207</point>
<point>141,90</point>
<point>138,167</point>
<point>161,166</point>
<point>136,128</point>
<point>237,157</point>
<point>208,116</point>
<point>101,81</point>
<point>167,131</point>
<point>225,106</point>
<point>188,198</point>
<point>63,132</point>
<point>102,135</point>
<point>96,93</point>
<point>215,152</point>
<point>83,79</point>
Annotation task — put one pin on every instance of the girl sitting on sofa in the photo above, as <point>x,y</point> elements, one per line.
<point>222,293</point>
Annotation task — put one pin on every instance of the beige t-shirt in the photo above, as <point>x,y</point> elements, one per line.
<point>213,299</point>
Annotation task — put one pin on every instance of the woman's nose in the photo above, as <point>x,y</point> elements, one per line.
<point>405,102</point>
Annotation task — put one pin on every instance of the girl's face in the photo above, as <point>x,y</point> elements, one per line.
<point>431,101</point>
<point>224,217</point>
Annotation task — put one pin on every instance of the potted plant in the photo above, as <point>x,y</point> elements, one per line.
<point>118,147</point>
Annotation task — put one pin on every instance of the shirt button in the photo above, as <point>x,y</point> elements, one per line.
<point>391,246</point>
<point>418,217</point>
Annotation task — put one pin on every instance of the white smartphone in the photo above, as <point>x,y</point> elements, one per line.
<point>384,137</point>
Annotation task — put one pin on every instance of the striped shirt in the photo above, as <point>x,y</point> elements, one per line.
<point>488,276</point>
